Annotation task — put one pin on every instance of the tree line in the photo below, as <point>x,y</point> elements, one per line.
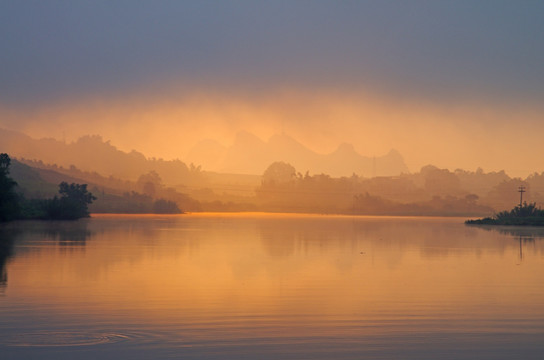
<point>523,214</point>
<point>71,203</point>
<point>431,192</point>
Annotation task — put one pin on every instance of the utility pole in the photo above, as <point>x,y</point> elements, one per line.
<point>521,190</point>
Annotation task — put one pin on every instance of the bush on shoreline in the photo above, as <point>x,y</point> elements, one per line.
<point>526,214</point>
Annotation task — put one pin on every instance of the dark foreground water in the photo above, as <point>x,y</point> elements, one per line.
<point>254,286</point>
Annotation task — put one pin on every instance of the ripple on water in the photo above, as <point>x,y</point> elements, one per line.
<point>63,338</point>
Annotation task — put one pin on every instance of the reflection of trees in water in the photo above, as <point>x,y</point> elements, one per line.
<point>7,239</point>
<point>68,235</point>
<point>523,235</point>
<point>526,233</point>
<point>349,240</point>
<point>285,237</point>
<point>391,237</point>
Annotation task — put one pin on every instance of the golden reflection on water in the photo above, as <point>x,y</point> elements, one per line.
<point>280,275</point>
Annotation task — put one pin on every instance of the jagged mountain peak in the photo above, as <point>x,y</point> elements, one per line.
<point>251,155</point>
<point>345,148</point>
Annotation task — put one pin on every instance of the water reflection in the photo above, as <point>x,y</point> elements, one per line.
<point>525,236</point>
<point>65,233</point>
<point>7,239</point>
<point>526,232</point>
<point>272,286</point>
<point>30,236</point>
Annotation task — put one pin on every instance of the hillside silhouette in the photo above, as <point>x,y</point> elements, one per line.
<point>37,180</point>
<point>92,153</point>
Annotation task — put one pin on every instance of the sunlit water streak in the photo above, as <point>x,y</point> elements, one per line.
<point>269,286</point>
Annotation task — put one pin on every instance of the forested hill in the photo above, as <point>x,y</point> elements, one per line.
<point>92,153</point>
<point>112,195</point>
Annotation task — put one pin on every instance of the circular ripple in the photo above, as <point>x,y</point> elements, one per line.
<point>60,338</point>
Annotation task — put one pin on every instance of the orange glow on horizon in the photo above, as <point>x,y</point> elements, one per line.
<point>452,136</point>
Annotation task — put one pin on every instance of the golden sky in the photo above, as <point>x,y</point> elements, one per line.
<point>456,135</point>
<point>454,84</point>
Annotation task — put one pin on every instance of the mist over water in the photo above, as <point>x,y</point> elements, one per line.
<point>268,286</point>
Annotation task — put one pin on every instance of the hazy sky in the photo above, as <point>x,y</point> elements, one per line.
<point>453,83</point>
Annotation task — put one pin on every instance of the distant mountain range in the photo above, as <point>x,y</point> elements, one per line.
<point>247,155</point>
<point>251,155</point>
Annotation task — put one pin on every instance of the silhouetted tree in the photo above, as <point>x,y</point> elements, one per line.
<point>5,161</point>
<point>150,183</point>
<point>279,173</point>
<point>440,181</point>
<point>72,204</point>
<point>525,214</point>
<point>9,201</point>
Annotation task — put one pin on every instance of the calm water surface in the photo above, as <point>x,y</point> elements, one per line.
<point>255,286</point>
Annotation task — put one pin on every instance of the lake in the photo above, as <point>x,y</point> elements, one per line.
<point>270,286</point>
